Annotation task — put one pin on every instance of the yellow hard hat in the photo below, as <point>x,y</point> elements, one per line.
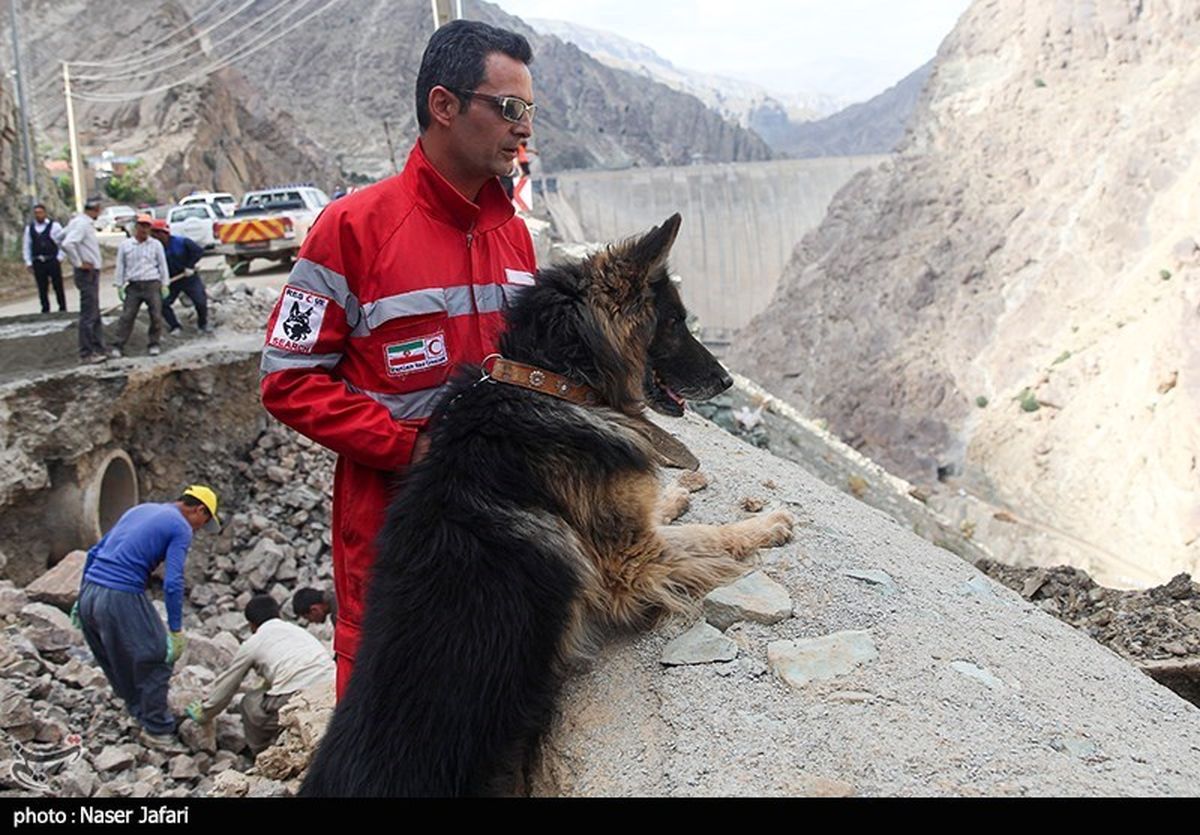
<point>208,498</point>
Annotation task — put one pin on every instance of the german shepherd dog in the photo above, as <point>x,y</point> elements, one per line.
<point>529,529</point>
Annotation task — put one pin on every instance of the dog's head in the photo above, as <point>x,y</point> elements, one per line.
<point>615,321</point>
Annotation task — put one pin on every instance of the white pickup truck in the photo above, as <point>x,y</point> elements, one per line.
<point>270,224</point>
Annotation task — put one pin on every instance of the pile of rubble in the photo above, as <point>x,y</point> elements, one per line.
<point>1157,629</point>
<point>239,307</point>
<point>60,723</point>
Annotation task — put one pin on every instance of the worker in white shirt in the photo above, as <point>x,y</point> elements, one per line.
<point>82,247</point>
<point>287,657</point>
<point>141,275</point>
<point>44,258</point>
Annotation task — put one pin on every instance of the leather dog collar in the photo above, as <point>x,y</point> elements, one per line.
<point>539,379</point>
<point>669,450</point>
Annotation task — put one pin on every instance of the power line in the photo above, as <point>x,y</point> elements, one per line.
<point>133,60</point>
<point>192,21</point>
<point>127,71</point>
<point>216,65</point>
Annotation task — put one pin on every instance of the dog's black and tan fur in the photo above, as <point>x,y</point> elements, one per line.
<point>530,527</point>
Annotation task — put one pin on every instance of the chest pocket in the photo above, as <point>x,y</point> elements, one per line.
<point>410,333</point>
<point>512,292</point>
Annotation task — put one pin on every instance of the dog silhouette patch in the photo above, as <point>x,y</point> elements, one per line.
<point>298,323</point>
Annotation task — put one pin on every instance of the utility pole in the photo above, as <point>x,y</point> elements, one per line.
<point>445,11</point>
<point>391,150</point>
<point>31,185</point>
<point>76,170</point>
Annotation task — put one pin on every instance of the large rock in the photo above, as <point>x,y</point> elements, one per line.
<point>231,784</point>
<point>80,674</point>
<point>115,758</point>
<point>815,659</point>
<point>215,653</point>
<point>12,599</point>
<point>755,597</point>
<point>702,644</point>
<point>15,708</point>
<point>49,629</point>
<point>302,723</point>
<point>60,585</point>
<point>78,779</point>
<point>259,566</point>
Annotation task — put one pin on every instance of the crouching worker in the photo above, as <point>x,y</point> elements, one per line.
<point>314,605</point>
<point>114,611</point>
<point>288,658</point>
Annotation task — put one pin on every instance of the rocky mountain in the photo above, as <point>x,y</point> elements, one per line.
<point>737,100</point>
<point>203,134</point>
<point>1013,303</point>
<point>13,201</point>
<point>590,115</point>
<point>293,106</point>
<point>875,126</point>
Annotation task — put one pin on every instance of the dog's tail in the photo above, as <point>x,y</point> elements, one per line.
<point>458,665</point>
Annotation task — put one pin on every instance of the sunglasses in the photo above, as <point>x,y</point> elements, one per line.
<point>511,108</point>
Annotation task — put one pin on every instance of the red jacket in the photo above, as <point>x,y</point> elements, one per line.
<point>394,286</point>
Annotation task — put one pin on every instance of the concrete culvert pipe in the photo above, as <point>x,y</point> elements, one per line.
<point>88,500</point>
<point>113,489</point>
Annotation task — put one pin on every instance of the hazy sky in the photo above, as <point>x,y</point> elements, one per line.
<point>848,48</point>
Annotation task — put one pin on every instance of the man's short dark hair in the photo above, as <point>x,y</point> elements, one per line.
<point>261,609</point>
<point>192,501</point>
<point>41,206</point>
<point>455,57</point>
<point>304,599</point>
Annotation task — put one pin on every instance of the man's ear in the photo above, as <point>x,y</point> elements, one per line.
<point>443,105</point>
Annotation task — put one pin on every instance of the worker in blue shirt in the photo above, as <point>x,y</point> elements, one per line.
<point>114,611</point>
<point>182,256</point>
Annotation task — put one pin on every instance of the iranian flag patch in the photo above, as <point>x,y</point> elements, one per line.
<point>415,354</point>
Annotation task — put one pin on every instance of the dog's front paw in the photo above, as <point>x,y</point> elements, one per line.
<point>777,528</point>
<point>672,504</point>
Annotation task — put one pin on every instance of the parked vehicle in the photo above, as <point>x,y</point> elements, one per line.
<point>197,221</point>
<point>115,219</point>
<point>222,202</point>
<point>270,224</point>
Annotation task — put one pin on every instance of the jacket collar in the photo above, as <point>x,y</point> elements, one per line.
<point>435,193</point>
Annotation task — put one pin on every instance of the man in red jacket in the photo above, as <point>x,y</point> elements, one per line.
<point>398,283</point>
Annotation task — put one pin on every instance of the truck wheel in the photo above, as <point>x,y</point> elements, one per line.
<point>232,261</point>
<point>242,267</point>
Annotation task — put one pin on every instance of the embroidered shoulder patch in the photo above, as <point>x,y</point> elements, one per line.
<point>417,354</point>
<point>299,321</point>
<point>518,277</point>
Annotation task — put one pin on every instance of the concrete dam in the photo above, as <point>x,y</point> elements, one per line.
<point>741,221</point>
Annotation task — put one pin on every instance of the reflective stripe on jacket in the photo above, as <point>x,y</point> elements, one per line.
<point>395,285</point>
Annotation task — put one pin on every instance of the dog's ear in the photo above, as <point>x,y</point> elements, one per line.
<point>649,253</point>
<point>625,270</point>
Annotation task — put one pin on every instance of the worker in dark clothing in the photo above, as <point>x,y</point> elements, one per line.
<point>44,258</point>
<point>122,629</point>
<point>182,256</point>
<point>314,605</point>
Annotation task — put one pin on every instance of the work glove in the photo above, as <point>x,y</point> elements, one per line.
<point>76,621</point>
<point>195,711</point>
<point>121,292</point>
<point>175,644</point>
